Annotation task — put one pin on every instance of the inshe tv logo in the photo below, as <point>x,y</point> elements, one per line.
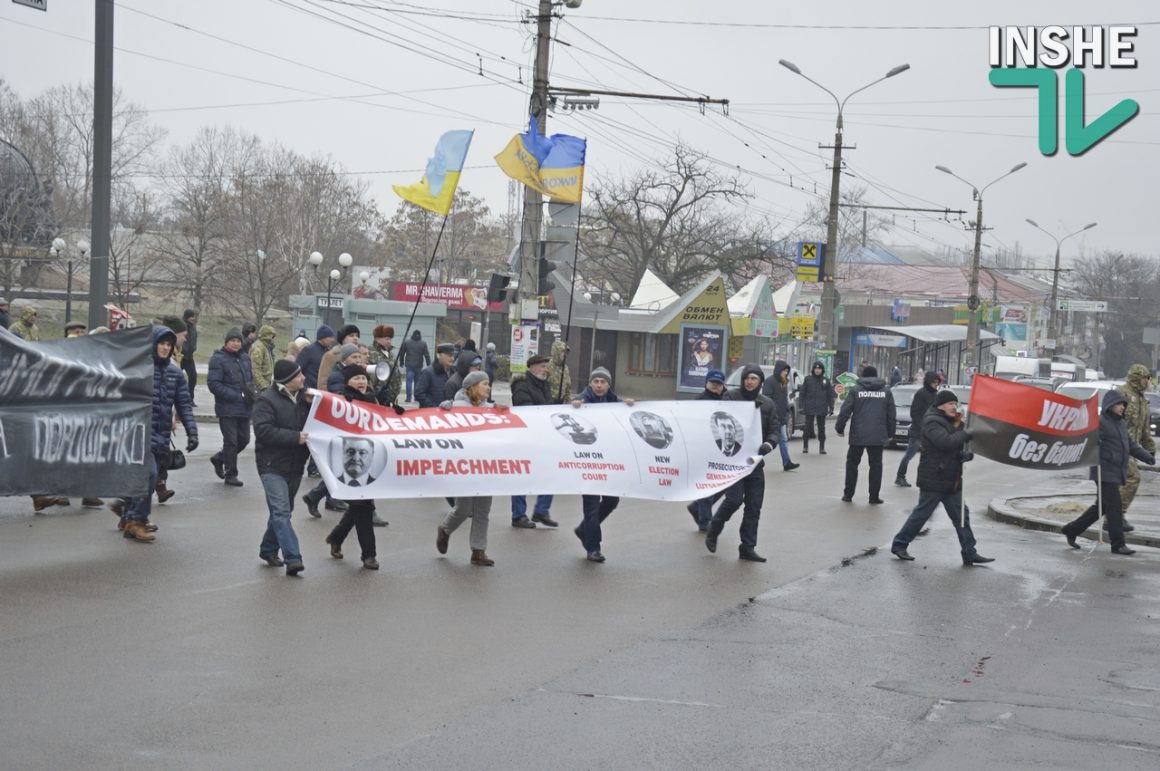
<point>1027,57</point>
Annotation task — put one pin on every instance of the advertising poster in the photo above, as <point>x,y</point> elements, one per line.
<point>525,342</point>
<point>702,348</point>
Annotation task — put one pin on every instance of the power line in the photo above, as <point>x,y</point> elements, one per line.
<point>864,27</point>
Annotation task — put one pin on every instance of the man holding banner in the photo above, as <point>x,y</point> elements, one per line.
<point>1116,447</point>
<point>940,479</point>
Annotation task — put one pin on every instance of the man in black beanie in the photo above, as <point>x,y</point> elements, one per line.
<point>280,452</point>
<point>940,479</point>
<point>869,408</point>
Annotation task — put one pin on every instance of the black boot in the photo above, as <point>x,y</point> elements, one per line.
<point>715,529</point>
<point>822,448</point>
<point>748,554</point>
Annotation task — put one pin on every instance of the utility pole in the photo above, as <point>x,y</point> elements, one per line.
<point>827,328</point>
<point>102,162</point>
<point>973,290</point>
<point>1053,319</point>
<point>528,307</point>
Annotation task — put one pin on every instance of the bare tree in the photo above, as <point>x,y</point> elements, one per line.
<point>674,222</point>
<point>133,253</point>
<point>196,179</point>
<point>473,242</point>
<point>1131,286</point>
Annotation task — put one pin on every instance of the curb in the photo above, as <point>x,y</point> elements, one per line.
<point>1000,511</point>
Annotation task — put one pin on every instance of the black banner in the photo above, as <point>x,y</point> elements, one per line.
<point>75,414</point>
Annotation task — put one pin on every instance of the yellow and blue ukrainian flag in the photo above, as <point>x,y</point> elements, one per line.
<point>552,165</point>
<point>435,191</point>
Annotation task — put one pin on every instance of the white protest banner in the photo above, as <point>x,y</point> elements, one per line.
<point>663,450</point>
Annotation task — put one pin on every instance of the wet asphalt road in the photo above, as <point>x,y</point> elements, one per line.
<point>189,653</point>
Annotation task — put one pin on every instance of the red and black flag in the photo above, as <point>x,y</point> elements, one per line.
<point>1022,425</point>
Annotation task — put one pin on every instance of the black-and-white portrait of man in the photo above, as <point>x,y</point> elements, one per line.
<point>727,432</point>
<point>652,428</point>
<point>357,459</point>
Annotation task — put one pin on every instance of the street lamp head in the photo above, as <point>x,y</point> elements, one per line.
<point>335,274</point>
<point>1032,223</point>
<point>789,66</point>
<point>588,296</point>
<point>364,277</point>
<point>1089,227</point>
<point>616,297</point>
<point>1016,167</point>
<point>58,245</point>
<point>944,170</point>
<point>345,260</point>
<point>83,247</point>
<point>897,70</point>
<point>315,259</point>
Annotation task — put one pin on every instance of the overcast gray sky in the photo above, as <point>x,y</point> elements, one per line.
<point>374,82</point>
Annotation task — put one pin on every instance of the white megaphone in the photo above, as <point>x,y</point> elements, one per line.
<point>381,371</point>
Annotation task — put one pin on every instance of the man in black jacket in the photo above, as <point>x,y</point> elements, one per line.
<point>940,479</point>
<point>433,379</point>
<point>413,356</point>
<point>869,407</point>
<point>1116,446</point>
<point>751,488</point>
<point>528,390</point>
<point>777,390</point>
<point>817,395</point>
<point>280,451</point>
<point>701,509</point>
<point>923,400</point>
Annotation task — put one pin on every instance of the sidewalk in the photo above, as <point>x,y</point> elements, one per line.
<point>1052,510</point>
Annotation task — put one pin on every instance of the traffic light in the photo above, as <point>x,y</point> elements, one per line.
<point>497,288</point>
<point>545,271</point>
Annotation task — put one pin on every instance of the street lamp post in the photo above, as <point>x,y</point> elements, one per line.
<point>826,327</point>
<point>1052,326</point>
<point>595,325</point>
<point>973,291</point>
<point>345,261</point>
<point>58,248</point>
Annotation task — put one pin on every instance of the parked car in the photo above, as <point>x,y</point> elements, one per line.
<point>903,398</point>
<point>964,394</point>
<point>1086,389</point>
<point>1154,410</point>
<point>797,420</point>
<point>1046,383</point>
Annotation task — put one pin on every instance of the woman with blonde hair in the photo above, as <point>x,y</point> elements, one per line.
<point>294,347</point>
<point>476,392</point>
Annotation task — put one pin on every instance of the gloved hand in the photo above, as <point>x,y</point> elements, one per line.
<point>831,413</point>
<point>1152,460</point>
<point>969,434</point>
<point>765,449</point>
<point>967,457</point>
<point>191,444</point>
<point>757,404</point>
<point>398,410</point>
<point>446,405</point>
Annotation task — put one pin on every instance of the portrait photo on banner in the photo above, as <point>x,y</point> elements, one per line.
<point>356,461</point>
<point>727,433</point>
<point>702,349</point>
<point>652,428</point>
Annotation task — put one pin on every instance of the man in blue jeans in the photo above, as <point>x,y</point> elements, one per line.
<point>777,390</point>
<point>940,479</point>
<point>923,399</point>
<point>280,451</point>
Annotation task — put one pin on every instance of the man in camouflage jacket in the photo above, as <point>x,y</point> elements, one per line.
<point>382,349</point>
<point>1138,418</point>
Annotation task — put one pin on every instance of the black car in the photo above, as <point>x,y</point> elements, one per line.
<point>1154,410</point>
<point>903,396</point>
